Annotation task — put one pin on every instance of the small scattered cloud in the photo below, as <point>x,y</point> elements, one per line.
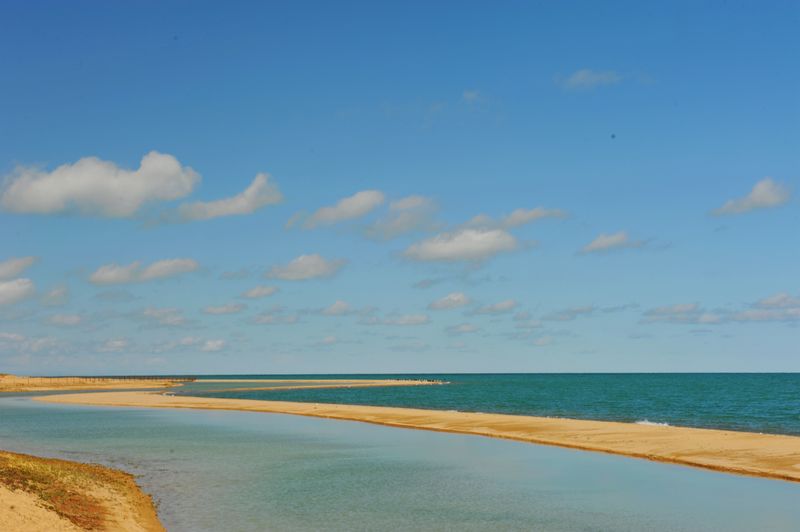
<point>65,320</point>
<point>114,345</point>
<point>543,341</point>
<point>235,275</point>
<point>135,273</point>
<point>328,340</point>
<point>14,266</point>
<point>463,245</point>
<point>609,242</point>
<point>406,215</point>
<point>260,291</point>
<point>690,313</point>
<point>426,283</point>
<point>462,328</point>
<point>16,290</point>
<point>338,308</point>
<point>766,194</point>
<point>232,308</point>
<point>276,315</point>
<point>587,79</point>
<point>407,319</point>
<point>516,218</point>
<point>212,346</point>
<point>497,308</point>
<point>56,296</point>
<point>779,300</point>
<point>471,96</point>
<point>260,193</point>
<point>95,187</point>
<point>165,316</point>
<point>349,208</point>
<point>307,267</point>
<point>402,320</point>
<point>450,301</point>
<point>570,314</point>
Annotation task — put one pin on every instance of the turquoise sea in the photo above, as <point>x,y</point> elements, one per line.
<point>240,471</point>
<point>754,402</point>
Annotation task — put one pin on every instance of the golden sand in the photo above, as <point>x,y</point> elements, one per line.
<point>763,455</point>
<point>48,495</point>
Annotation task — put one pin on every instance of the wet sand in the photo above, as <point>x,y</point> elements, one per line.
<point>762,455</point>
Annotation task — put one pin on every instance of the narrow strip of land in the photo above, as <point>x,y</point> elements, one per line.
<point>14,383</point>
<point>763,455</point>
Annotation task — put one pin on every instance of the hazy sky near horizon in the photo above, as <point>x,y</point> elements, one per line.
<point>317,187</point>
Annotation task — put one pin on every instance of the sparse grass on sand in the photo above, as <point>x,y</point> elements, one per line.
<point>90,497</point>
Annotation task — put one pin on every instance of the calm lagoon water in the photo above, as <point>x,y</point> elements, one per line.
<point>238,471</point>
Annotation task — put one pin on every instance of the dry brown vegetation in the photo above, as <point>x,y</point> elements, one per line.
<point>91,497</point>
<point>13,383</point>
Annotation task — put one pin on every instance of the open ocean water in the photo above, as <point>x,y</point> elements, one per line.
<point>754,402</point>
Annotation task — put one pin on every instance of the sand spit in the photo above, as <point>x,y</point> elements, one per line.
<point>48,495</point>
<point>762,455</point>
<point>13,383</point>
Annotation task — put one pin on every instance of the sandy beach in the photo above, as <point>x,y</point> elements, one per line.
<point>762,455</point>
<point>48,495</point>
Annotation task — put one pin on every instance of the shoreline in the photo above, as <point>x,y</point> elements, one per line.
<point>760,455</point>
<point>64,496</point>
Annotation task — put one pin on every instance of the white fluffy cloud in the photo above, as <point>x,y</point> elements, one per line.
<point>587,78</point>
<point>134,272</point>
<point>406,215</point>
<point>14,266</point>
<point>452,300</point>
<point>307,267</point>
<point>349,208</point>
<point>16,290</point>
<point>257,292</point>
<point>259,194</point>
<point>764,195</point>
<point>232,308</point>
<point>607,242</point>
<point>95,187</point>
<point>463,245</point>
<point>498,308</point>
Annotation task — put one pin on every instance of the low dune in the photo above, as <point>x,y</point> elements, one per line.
<point>48,495</point>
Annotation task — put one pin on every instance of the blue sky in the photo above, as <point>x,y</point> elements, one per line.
<point>403,187</point>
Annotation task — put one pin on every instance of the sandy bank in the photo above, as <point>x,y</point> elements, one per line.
<point>764,455</point>
<point>42,494</point>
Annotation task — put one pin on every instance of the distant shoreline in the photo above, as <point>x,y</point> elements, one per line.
<point>762,455</point>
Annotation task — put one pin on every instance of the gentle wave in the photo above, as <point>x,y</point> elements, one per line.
<point>652,423</point>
